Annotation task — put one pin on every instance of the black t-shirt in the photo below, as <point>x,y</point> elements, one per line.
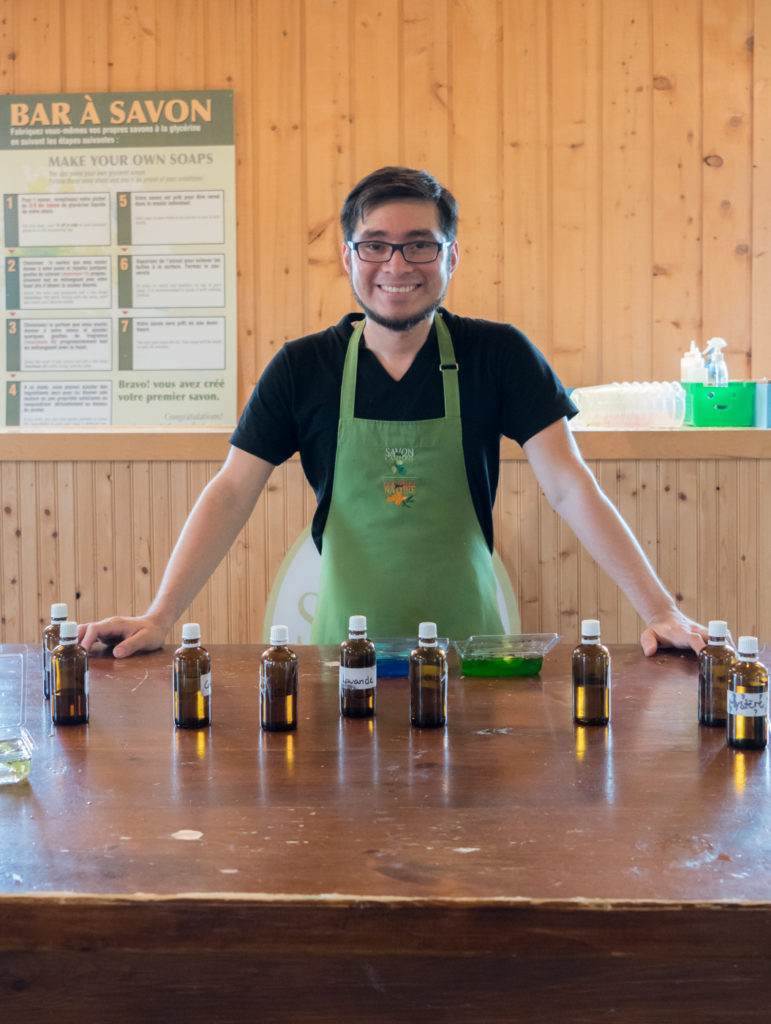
<point>506,388</point>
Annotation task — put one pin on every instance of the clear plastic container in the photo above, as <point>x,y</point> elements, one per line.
<point>515,654</point>
<point>647,405</point>
<point>393,654</point>
<point>16,744</point>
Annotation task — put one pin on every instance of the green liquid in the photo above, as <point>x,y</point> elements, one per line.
<point>14,761</point>
<point>501,666</point>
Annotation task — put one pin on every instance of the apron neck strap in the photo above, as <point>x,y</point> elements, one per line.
<point>447,366</point>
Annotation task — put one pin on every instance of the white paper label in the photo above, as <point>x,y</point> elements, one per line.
<point>358,678</point>
<point>748,705</point>
<point>206,684</point>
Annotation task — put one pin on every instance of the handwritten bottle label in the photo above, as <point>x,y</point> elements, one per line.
<point>206,684</point>
<point>358,678</point>
<point>750,705</point>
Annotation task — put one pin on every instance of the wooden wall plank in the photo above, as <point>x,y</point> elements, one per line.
<point>66,533</point>
<point>727,217</point>
<point>329,116</point>
<point>761,204</point>
<point>127,573</point>
<point>425,84</point>
<point>181,44</point>
<point>37,42</point>
<point>86,46</point>
<point>378,100</point>
<point>476,77</point>
<point>574,103</point>
<point>525,175</point>
<point>133,45</point>
<point>105,540</point>
<point>627,256</point>
<point>85,544</point>
<point>677,173</point>
<point>10,610</point>
<point>48,548</point>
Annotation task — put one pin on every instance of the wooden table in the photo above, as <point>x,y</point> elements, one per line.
<point>508,867</point>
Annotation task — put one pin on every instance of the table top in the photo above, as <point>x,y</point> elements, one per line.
<point>510,801</point>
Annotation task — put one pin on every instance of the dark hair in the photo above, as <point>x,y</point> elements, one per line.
<point>389,183</point>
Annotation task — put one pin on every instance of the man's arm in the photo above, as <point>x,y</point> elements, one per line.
<point>573,492</point>
<point>215,521</point>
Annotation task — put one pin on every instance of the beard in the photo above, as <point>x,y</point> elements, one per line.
<point>401,324</point>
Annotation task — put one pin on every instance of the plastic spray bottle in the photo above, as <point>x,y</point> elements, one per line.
<point>717,370</point>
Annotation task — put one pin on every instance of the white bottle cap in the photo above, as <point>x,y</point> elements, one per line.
<point>191,631</point>
<point>718,629</point>
<point>748,647</point>
<point>427,631</point>
<point>279,635</point>
<point>590,627</point>
<point>58,611</point>
<point>68,631</point>
<point>357,624</point>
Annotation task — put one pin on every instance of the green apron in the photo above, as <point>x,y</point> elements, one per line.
<point>402,543</point>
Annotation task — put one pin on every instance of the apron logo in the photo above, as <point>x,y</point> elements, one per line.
<point>400,492</point>
<point>399,459</point>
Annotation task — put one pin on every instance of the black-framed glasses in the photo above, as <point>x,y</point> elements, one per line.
<point>372,250</point>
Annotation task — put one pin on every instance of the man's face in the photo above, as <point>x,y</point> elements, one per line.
<point>400,295</point>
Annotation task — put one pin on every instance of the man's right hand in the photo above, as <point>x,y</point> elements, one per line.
<point>129,635</point>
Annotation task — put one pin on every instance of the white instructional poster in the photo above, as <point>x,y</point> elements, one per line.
<point>119,259</point>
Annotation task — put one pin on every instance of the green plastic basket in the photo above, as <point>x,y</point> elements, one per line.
<point>727,405</point>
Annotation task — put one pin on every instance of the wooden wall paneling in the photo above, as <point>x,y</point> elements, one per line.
<point>525,174</point>
<point>728,179</point>
<point>258,583</point>
<point>710,601</point>
<point>219,23</point>
<point>28,540</point>
<point>134,44</point>
<point>726,549</point>
<point>761,200</point>
<point>667,562</point>
<point>377,89</point>
<point>220,589</point>
<point>161,538</point>
<point>181,44</point>
<point>200,607</point>
<point>507,517</point>
<point>126,570</point>
<point>574,103</point>
<point>749,524</point>
<point>141,508</point>
<point>281,217</point>
<point>10,608</point>
<point>180,503</point>
<point>38,46</point>
<point>627,256</point>
<point>609,596</point>
<point>688,549</point>
<point>677,173</point>
<point>86,46</point>
<point>629,507</point>
<point>85,543</point>
<point>105,539</point>
<point>328,158</point>
<point>245,102</point>
<point>568,580</point>
<point>8,53</point>
<point>762,552</point>
<point>476,77</point>
<point>527,585</point>
<point>426,87</point>
<point>47,545</point>
<point>548,564</point>
<point>66,536</point>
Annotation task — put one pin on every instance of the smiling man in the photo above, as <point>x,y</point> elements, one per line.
<point>397,417</point>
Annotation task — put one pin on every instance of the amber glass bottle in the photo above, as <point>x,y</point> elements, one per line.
<point>747,702</point>
<point>50,641</point>
<point>278,683</point>
<point>69,678</point>
<point>358,671</point>
<point>591,677</point>
<point>715,661</point>
<point>192,680</point>
<point>428,680</point>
